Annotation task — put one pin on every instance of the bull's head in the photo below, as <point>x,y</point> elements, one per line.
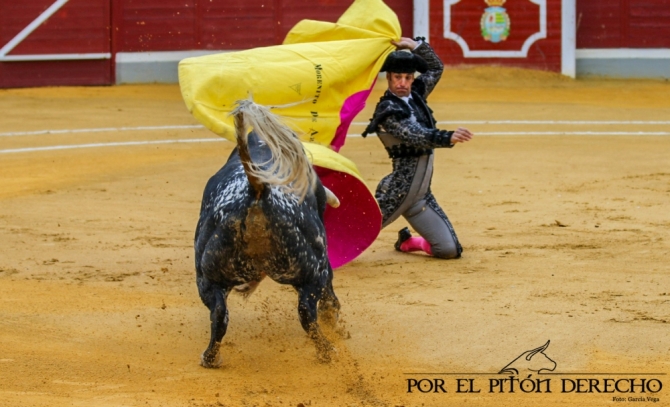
<point>534,360</point>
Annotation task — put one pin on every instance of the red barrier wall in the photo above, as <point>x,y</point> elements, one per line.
<point>623,24</point>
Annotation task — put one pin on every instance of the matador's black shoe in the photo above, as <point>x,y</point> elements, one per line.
<point>403,235</point>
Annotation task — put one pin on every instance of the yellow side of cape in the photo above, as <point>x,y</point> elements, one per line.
<point>317,68</point>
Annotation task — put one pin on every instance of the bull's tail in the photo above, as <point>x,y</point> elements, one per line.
<point>289,167</point>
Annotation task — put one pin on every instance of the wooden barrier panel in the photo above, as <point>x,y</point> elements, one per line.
<point>176,25</point>
<point>623,24</point>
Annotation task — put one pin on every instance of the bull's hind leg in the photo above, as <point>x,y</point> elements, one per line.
<point>214,298</point>
<point>308,297</point>
<point>329,305</point>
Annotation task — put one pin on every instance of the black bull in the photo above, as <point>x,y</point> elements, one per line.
<point>249,228</point>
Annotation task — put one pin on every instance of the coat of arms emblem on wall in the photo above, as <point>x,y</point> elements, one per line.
<point>495,22</point>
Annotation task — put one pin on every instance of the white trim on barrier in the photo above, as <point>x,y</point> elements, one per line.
<point>568,38</point>
<point>422,19</point>
<point>623,53</point>
<point>161,56</point>
<point>53,57</point>
<point>523,53</point>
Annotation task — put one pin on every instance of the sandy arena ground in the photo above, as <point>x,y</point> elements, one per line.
<point>565,236</point>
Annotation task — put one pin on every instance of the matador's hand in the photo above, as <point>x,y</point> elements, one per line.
<point>461,135</point>
<point>405,43</point>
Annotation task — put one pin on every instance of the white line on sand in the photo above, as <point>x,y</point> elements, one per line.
<point>99,130</point>
<point>199,126</point>
<point>117,144</point>
<point>207,140</point>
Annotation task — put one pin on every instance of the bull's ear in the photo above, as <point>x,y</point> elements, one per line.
<point>542,348</point>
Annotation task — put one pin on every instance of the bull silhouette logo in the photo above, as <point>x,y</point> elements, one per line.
<point>534,360</point>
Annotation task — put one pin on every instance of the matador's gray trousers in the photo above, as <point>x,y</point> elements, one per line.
<point>423,212</point>
<point>435,229</point>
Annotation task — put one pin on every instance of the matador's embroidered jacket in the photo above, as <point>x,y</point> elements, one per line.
<point>409,136</point>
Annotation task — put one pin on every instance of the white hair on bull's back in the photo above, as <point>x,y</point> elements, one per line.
<point>289,168</point>
<point>231,193</point>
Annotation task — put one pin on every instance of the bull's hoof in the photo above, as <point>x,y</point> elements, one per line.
<point>211,360</point>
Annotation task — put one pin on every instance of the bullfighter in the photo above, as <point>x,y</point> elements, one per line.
<point>407,129</point>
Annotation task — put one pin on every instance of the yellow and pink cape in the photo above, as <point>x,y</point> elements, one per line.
<point>322,74</point>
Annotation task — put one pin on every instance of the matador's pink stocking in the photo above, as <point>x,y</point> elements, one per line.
<point>414,244</point>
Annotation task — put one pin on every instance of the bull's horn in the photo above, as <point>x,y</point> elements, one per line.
<point>331,198</point>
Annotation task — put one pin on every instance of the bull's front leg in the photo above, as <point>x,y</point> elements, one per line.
<point>308,297</point>
<point>215,299</point>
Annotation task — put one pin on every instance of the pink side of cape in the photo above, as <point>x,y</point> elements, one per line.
<point>355,224</point>
<point>351,107</point>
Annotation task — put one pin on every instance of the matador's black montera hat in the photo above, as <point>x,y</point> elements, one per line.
<point>404,62</point>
